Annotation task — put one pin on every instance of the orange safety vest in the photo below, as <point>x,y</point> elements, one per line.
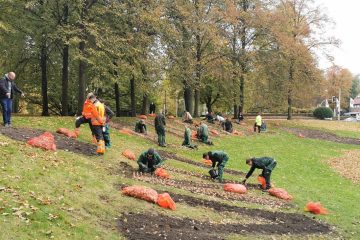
<point>89,110</point>
<point>100,109</point>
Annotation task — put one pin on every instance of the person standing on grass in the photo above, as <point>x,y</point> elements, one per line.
<point>106,129</point>
<point>160,124</point>
<point>98,125</point>
<point>7,90</point>
<point>258,122</point>
<point>218,158</point>
<point>149,161</point>
<point>267,164</point>
<point>152,108</point>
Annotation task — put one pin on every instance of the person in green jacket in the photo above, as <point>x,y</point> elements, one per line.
<point>267,164</point>
<point>187,138</point>
<point>140,127</point>
<point>149,161</point>
<point>218,158</point>
<point>160,129</point>
<point>258,122</point>
<point>203,134</point>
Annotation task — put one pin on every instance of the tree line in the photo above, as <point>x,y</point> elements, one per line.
<point>231,55</point>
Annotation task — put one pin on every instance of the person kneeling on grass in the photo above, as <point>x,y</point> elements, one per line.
<point>267,164</point>
<point>149,161</point>
<point>203,134</point>
<point>187,138</point>
<point>140,127</point>
<point>220,158</point>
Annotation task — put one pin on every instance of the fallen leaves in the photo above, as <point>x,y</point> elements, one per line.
<point>348,165</point>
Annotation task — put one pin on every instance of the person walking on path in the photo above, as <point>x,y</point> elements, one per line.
<point>220,158</point>
<point>152,108</point>
<point>149,161</point>
<point>267,164</point>
<point>258,122</point>
<point>7,90</point>
<point>160,124</point>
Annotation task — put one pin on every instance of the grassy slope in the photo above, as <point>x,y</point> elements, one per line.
<point>84,197</point>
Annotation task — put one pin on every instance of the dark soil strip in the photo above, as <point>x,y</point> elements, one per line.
<point>62,142</point>
<point>148,226</point>
<point>208,189</point>
<point>317,134</point>
<point>169,155</point>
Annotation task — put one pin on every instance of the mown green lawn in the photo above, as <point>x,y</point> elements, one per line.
<point>63,195</point>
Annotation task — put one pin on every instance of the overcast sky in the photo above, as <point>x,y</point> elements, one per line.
<point>345,14</point>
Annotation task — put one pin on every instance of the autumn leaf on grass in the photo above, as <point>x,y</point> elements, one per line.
<point>52,217</point>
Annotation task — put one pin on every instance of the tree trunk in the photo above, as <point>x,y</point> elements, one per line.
<point>117,99</point>
<point>235,110</point>
<point>65,71</point>
<point>44,81</point>
<point>132,96</point>
<point>82,82</point>
<point>145,104</point>
<point>197,102</point>
<point>188,98</point>
<point>65,82</point>
<point>290,89</point>
<point>209,105</point>
<point>242,86</point>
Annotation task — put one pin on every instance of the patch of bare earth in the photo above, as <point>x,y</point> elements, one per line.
<point>317,134</point>
<point>348,165</point>
<point>152,226</point>
<point>62,142</point>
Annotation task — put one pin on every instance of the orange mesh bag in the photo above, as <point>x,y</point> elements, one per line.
<point>67,132</point>
<point>280,193</point>
<point>45,141</point>
<point>160,172</point>
<point>129,154</point>
<point>315,208</point>
<point>262,181</point>
<point>236,188</point>
<point>143,117</point>
<point>165,201</point>
<point>207,162</point>
<point>126,131</point>
<point>237,133</point>
<point>141,192</point>
<point>193,135</point>
<point>152,115</point>
<point>214,132</point>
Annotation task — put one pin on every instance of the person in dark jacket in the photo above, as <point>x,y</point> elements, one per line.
<point>227,126</point>
<point>149,160</point>
<point>209,118</point>
<point>152,108</point>
<point>140,127</point>
<point>160,129</point>
<point>240,117</point>
<point>267,164</point>
<point>7,90</point>
<point>218,158</point>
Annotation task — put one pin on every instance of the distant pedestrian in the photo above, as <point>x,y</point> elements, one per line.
<point>152,108</point>
<point>258,122</point>
<point>7,90</point>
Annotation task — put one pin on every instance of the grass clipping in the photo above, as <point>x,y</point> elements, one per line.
<point>348,165</point>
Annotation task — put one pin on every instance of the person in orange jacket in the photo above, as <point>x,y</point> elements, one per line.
<point>89,111</point>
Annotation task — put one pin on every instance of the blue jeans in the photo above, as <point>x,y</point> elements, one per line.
<point>6,104</point>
